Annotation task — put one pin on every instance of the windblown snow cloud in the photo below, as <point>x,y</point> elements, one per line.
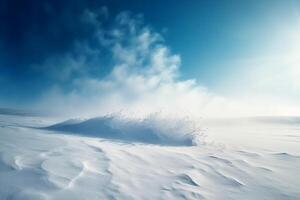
<point>144,76</point>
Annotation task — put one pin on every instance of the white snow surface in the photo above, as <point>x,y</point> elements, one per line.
<point>106,158</point>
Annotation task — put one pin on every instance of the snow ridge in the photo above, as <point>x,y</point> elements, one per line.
<point>152,130</point>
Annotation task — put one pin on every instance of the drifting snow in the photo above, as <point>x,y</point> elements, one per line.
<point>41,164</point>
<point>152,130</point>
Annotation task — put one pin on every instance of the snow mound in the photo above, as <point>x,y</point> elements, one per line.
<point>151,130</point>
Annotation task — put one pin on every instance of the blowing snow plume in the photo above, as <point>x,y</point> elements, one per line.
<point>152,130</point>
<point>126,66</point>
<point>144,76</point>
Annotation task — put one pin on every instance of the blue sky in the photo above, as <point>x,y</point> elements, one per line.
<point>234,49</point>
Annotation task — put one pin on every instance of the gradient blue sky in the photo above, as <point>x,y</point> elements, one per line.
<point>231,47</point>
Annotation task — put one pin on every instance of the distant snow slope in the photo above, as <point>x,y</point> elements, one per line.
<point>44,164</point>
<point>151,130</point>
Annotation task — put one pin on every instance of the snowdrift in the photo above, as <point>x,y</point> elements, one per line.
<point>262,163</point>
<point>150,130</point>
